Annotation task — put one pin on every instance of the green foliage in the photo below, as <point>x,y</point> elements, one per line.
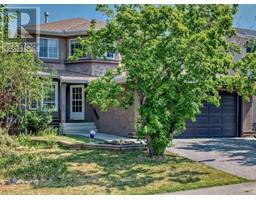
<point>37,121</point>
<point>18,80</point>
<point>49,131</point>
<point>175,59</point>
<point>23,140</point>
<point>7,145</point>
<point>50,134</point>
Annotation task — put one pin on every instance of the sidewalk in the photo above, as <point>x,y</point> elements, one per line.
<point>236,189</point>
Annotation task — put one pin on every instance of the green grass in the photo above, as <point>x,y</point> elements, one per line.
<point>60,171</point>
<point>78,139</point>
<point>68,139</point>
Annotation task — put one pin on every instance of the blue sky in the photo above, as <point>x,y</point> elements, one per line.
<point>245,18</point>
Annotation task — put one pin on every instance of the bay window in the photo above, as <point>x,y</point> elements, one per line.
<point>110,55</point>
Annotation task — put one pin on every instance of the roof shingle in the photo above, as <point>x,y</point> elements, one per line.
<point>67,26</point>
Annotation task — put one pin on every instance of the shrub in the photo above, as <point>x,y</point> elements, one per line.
<point>36,121</point>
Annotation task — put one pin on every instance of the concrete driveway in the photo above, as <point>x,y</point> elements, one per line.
<point>233,155</point>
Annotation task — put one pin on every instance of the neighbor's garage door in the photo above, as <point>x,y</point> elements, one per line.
<point>215,121</point>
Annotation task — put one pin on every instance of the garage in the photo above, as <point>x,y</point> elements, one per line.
<point>214,121</point>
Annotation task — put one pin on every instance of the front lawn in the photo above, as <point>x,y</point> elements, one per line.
<point>61,171</point>
<point>71,139</point>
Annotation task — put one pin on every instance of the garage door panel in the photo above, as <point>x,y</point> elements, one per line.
<point>202,120</point>
<point>214,110</point>
<point>215,121</point>
<point>204,109</point>
<point>229,110</point>
<point>229,132</point>
<point>202,131</point>
<point>215,131</point>
<point>229,120</point>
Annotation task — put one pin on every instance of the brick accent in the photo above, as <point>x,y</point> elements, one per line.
<point>114,121</point>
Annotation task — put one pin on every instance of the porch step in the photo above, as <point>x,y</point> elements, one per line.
<point>78,128</point>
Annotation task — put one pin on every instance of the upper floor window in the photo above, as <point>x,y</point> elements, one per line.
<point>73,45</point>
<point>110,55</point>
<point>48,48</point>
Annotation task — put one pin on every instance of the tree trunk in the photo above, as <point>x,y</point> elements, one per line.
<point>151,150</point>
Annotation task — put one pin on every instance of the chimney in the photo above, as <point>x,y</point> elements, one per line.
<point>46,15</point>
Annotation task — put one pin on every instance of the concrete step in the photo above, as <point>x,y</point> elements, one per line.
<point>78,124</point>
<point>77,132</point>
<point>78,128</point>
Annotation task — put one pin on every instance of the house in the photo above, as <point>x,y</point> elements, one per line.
<point>57,41</point>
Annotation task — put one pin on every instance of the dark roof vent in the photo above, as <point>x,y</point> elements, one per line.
<point>46,15</point>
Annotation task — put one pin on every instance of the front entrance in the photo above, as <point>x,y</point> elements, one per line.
<point>77,102</point>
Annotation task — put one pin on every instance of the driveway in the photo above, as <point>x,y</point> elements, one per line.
<point>233,155</point>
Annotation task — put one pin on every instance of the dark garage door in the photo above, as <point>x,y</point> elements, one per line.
<point>215,122</point>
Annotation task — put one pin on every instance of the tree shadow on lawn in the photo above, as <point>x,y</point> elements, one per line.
<point>186,176</point>
<point>106,169</point>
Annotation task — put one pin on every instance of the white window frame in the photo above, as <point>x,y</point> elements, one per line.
<point>56,90</point>
<point>77,115</point>
<point>38,48</point>
<point>69,45</point>
<point>30,103</point>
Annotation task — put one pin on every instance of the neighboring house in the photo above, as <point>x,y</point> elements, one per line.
<point>57,41</point>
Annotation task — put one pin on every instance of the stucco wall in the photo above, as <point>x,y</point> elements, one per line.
<point>247,118</point>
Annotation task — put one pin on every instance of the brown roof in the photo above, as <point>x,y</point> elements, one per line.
<point>246,32</point>
<point>74,25</point>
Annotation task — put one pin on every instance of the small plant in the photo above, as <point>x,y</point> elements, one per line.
<point>50,133</point>
<point>23,140</point>
<point>7,145</point>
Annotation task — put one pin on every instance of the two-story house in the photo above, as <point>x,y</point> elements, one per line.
<point>57,41</point>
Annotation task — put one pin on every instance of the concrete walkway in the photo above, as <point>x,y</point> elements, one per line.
<point>242,189</point>
<point>233,155</point>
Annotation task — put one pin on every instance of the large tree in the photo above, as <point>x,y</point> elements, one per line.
<point>175,58</point>
<point>18,80</point>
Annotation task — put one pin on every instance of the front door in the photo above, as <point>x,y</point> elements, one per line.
<point>77,102</point>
